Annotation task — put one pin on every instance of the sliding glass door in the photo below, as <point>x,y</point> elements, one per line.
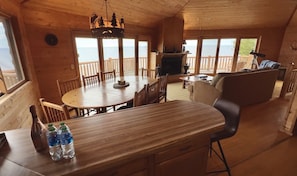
<point>88,55</point>
<point>111,55</point>
<point>244,57</point>
<point>208,56</point>
<point>191,49</point>
<point>226,55</point>
<point>129,56</point>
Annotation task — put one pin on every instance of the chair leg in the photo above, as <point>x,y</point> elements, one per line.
<point>224,158</point>
<point>221,157</point>
<point>211,149</point>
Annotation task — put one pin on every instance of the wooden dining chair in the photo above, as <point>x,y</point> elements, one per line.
<point>108,75</point>
<point>145,72</point>
<point>54,112</point>
<point>91,79</point>
<point>153,90</point>
<point>140,97</point>
<point>163,88</point>
<point>67,85</point>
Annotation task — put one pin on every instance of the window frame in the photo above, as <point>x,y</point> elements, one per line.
<point>16,60</point>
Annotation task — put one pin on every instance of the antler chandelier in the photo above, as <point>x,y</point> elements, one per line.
<point>103,28</point>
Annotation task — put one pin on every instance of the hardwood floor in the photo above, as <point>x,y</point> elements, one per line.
<point>259,148</point>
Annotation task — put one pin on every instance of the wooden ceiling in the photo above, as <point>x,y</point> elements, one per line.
<point>197,14</point>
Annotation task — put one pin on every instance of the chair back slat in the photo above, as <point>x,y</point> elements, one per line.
<point>67,85</point>
<point>163,87</point>
<point>91,80</point>
<point>153,92</point>
<point>140,97</point>
<point>54,112</point>
<point>108,75</point>
<point>151,73</point>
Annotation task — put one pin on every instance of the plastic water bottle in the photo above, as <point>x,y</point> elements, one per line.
<point>66,140</point>
<point>53,142</point>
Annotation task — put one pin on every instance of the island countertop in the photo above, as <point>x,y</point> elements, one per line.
<point>106,141</point>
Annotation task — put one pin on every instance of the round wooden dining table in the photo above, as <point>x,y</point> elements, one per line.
<point>104,94</point>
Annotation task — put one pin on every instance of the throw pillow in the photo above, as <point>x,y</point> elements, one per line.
<point>218,76</point>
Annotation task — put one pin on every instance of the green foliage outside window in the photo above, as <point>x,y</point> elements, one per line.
<point>246,46</point>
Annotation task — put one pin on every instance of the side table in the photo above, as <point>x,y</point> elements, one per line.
<point>192,78</point>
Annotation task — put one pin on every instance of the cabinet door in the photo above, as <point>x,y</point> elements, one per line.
<point>119,173</point>
<point>134,168</point>
<point>141,173</point>
<point>190,164</point>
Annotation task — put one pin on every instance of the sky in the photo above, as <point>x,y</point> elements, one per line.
<point>92,42</point>
<point>3,39</point>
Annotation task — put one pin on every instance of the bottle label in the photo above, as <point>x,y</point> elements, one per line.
<point>52,139</point>
<point>66,138</point>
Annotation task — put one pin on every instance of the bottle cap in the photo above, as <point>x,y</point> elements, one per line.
<point>64,128</point>
<point>51,127</point>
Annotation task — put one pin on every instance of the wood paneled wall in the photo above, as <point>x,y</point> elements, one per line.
<point>14,107</point>
<point>286,57</point>
<point>171,35</point>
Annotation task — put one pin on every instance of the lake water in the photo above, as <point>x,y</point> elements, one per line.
<point>91,54</point>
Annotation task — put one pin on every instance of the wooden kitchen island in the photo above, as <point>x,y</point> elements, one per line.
<point>167,139</point>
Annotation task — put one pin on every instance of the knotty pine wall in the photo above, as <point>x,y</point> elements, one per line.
<point>286,57</point>
<point>58,62</point>
<point>14,107</point>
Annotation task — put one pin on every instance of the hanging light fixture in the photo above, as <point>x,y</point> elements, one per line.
<point>103,28</point>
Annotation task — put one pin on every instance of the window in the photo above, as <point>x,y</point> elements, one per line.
<point>129,56</point>
<point>220,54</point>
<point>111,54</point>
<point>226,55</point>
<point>208,56</point>
<point>244,56</point>
<point>143,54</point>
<point>95,54</point>
<point>88,55</point>
<point>191,48</point>
<point>11,72</point>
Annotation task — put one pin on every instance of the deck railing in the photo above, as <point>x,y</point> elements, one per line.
<point>206,65</point>
<point>92,67</point>
<point>10,78</point>
<point>224,63</point>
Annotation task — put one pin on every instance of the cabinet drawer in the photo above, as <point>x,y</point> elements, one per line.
<point>189,164</point>
<point>134,168</point>
<point>182,148</point>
